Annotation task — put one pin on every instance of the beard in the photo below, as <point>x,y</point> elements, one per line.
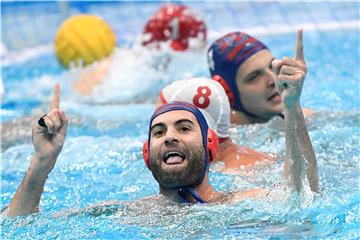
<point>178,177</point>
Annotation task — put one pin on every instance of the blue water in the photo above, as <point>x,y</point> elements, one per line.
<point>102,161</point>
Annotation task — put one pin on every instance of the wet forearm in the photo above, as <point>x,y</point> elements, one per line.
<point>294,160</point>
<point>27,197</point>
<point>307,151</point>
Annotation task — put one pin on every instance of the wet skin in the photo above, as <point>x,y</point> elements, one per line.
<point>176,149</point>
<point>256,84</point>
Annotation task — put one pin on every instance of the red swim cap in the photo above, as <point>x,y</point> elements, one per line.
<point>177,24</point>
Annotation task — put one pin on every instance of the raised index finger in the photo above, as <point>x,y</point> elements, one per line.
<point>299,54</point>
<point>55,101</point>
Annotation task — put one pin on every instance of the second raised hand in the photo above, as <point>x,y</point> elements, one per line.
<point>290,74</point>
<point>49,138</point>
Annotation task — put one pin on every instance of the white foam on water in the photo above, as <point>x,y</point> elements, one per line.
<point>138,74</point>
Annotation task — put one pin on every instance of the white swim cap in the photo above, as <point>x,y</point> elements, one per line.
<point>207,95</point>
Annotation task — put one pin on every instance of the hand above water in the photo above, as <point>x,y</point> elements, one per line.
<point>48,138</point>
<point>290,74</point>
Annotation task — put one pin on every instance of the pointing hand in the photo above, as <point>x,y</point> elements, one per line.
<point>49,132</point>
<point>290,74</point>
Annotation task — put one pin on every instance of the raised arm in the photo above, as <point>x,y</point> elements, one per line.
<point>300,156</point>
<point>48,137</point>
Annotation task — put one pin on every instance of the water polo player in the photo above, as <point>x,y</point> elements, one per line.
<point>242,65</point>
<point>176,24</point>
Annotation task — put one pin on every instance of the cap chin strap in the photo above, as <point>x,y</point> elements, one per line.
<point>182,191</point>
<point>204,131</point>
<point>253,115</point>
<point>241,109</point>
<point>188,190</point>
<point>281,115</point>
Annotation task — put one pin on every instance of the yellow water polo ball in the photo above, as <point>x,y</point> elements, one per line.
<point>83,39</point>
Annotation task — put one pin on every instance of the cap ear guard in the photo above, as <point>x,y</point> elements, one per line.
<point>226,87</point>
<point>212,144</point>
<point>146,154</point>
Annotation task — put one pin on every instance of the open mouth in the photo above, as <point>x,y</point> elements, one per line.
<point>174,157</point>
<point>274,97</point>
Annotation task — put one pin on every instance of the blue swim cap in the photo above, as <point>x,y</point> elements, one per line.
<point>178,105</point>
<point>226,55</point>
<point>209,145</point>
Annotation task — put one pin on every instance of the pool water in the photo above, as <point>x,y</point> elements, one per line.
<point>102,160</point>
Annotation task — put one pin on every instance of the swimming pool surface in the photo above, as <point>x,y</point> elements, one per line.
<point>102,160</point>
